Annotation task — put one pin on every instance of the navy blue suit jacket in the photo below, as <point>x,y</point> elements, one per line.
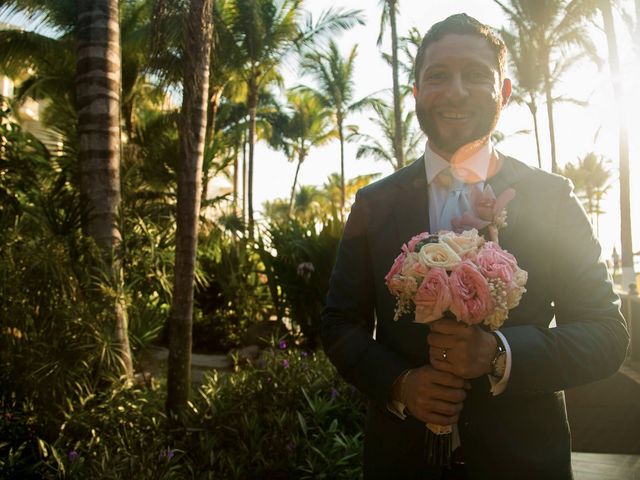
<point>522,433</point>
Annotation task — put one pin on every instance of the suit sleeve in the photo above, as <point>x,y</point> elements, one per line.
<point>590,340</point>
<point>348,318</point>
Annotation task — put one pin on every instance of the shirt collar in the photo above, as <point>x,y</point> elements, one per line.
<point>477,163</point>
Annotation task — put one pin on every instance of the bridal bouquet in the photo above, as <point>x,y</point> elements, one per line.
<point>476,281</point>
<point>456,275</point>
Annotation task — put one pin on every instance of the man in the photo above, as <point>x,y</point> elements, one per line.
<point>504,391</point>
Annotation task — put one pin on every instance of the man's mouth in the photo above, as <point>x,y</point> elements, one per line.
<point>455,115</point>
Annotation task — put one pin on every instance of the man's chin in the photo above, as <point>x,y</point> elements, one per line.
<point>450,147</point>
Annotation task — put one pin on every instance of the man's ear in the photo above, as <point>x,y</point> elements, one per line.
<point>415,90</point>
<point>506,91</point>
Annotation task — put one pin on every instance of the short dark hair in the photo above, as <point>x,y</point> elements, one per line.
<point>462,24</point>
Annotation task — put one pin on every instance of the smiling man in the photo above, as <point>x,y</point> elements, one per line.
<point>503,390</point>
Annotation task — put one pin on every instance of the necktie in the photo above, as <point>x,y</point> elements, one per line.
<point>456,202</point>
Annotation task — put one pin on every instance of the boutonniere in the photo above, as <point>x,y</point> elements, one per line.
<point>487,211</point>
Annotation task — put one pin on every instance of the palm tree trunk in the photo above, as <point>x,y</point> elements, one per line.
<point>628,274</point>
<point>193,123</point>
<point>253,108</point>
<point>293,187</point>
<point>533,108</point>
<point>342,187</point>
<point>397,107</point>
<point>245,139</point>
<point>236,177</point>
<point>552,131</point>
<point>98,88</point>
<point>212,113</point>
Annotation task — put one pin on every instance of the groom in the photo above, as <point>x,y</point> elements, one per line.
<point>504,391</point>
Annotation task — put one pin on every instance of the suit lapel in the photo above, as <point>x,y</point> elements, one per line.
<point>507,176</point>
<point>411,208</point>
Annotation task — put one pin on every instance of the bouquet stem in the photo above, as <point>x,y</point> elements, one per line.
<point>438,449</point>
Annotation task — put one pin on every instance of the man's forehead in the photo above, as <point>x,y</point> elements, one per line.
<point>462,47</point>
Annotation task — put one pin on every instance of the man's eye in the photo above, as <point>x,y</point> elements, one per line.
<point>480,76</point>
<point>435,76</point>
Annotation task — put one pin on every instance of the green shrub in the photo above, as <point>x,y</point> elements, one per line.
<point>298,261</point>
<point>233,294</point>
<point>287,415</point>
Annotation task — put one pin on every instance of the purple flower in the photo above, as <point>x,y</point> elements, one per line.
<point>285,363</point>
<point>304,353</point>
<point>167,453</point>
<point>291,446</point>
<point>282,344</point>
<point>334,393</point>
<point>72,456</point>
<point>305,269</point>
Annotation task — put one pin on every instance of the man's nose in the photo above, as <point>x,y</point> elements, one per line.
<point>457,89</point>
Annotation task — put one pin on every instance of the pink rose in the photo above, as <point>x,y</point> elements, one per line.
<point>413,267</point>
<point>401,286</point>
<point>494,262</point>
<point>410,247</point>
<point>471,299</point>
<point>433,296</point>
<point>485,204</point>
<point>396,268</point>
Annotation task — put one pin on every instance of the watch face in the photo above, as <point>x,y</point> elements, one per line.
<point>500,365</point>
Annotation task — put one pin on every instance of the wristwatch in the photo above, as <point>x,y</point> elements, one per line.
<point>499,362</point>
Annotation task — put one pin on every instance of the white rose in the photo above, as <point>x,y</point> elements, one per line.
<point>520,277</point>
<point>439,255</point>
<point>514,297</point>
<point>462,243</point>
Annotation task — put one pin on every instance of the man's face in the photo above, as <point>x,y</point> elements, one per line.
<point>459,96</point>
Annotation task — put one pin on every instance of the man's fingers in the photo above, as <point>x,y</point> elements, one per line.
<point>446,409</point>
<point>439,341</point>
<point>449,395</point>
<point>447,379</point>
<point>447,326</point>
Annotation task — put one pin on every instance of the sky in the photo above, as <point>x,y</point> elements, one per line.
<point>579,129</point>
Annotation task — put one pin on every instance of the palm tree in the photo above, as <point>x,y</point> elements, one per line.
<point>99,144</point>
<point>381,147</point>
<point>409,45</point>
<point>192,143</point>
<point>527,76</point>
<point>332,192</point>
<point>52,61</point>
<point>389,11</point>
<point>267,32</point>
<point>626,240</point>
<point>308,125</point>
<point>590,178</point>
<point>552,27</point>
<point>334,75</point>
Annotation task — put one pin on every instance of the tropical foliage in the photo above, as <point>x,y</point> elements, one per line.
<point>591,179</point>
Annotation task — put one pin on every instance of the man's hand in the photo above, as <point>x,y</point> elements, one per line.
<point>433,396</point>
<point>469,349</point>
